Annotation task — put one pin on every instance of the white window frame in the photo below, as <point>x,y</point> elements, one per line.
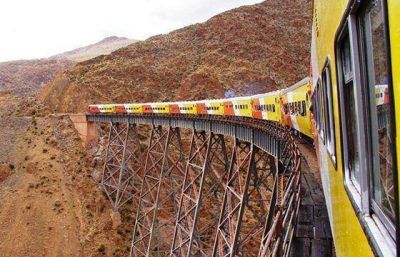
<point>330,142</point>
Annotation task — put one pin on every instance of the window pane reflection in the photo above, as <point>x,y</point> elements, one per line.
<point>372,22</point>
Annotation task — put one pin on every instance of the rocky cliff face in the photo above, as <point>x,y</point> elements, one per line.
<point>244,51</point>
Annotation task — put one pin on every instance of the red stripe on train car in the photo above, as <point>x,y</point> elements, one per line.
<point>201,108</point>
<point>256,109</point>
<point>94,109</point>
<point>120,109</point>
<point>386,99</point>
<point>228,108</point>
<point>174,108</point>
<point>147,108</point>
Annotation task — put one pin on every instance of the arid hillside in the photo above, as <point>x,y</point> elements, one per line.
<point>49,203</point>
<point>104,46</point>
<point>244,51</point>
<point>27,77</point>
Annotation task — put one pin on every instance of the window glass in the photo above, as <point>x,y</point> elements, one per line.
<point>322,112</point>
<point>350,113</point>
<point>329,123</point>
<point>373,32</point>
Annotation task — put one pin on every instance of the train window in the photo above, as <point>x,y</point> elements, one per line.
<point>328,108</point>
<point>298,107</point>
<point>367,119</point>
<point>350,113</point>
<point>318,99</point>
<point>322,114</point>
<point>373,38</point>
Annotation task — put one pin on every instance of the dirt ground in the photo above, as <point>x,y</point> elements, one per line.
<point>49,203</point>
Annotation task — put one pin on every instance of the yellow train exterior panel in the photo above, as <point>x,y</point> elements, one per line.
<point>394,27</point>
<point>296,106</point>
<point>349,237</point>
<point>242,106</point>
<point>267,106</point>
<point>134,108</point>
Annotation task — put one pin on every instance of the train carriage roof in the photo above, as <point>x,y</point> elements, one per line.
<point>272,93</point>
<point>297,85</point>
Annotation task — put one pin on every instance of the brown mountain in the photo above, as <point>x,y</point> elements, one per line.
<point>27,77</point>
<point>105,46</point>
<point>244,51</point>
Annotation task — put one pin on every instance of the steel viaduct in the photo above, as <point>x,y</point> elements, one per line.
<point>233,191</point>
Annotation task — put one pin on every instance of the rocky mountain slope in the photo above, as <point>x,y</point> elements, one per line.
<point>105,46</point>
<point>27,77</point>
<point>247,50</point>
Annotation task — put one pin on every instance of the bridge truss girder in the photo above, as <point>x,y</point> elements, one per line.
<point>207,152</point>
<point>161,182</point>
<point>122,168</point>
<point>205,203</point>
<point>247,192</point>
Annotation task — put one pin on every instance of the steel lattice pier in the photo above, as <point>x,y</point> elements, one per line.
<point>233,191</point>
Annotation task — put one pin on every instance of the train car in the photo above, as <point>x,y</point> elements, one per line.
<point>183,108</point>
<point>267,106</point>
<point>102,108</point>
<point>159,108</point>
<point>295,102</point>
<point>210,107</point>
<point>93,108</point>
<point>239,106</point>
<point>133,108</point>
<point>355,49</point>
<point>120,109</point>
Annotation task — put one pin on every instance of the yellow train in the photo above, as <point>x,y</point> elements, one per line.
<point>289,107</point>
<point>355,60</point>
<point>296,107</point>
<point>354,95</point>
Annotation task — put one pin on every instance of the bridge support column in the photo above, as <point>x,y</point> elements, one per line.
<point>161,183</point>
<point>87,130</point>
<point>121,173</point>
<point>247,192</point>
<point>191,237</point>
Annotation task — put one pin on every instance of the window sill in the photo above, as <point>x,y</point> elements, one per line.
<point>378,236</point>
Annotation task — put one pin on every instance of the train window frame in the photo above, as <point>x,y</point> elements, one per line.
<point>330,138</point>
<point>320,120</point>
<point>357,183</point>
<point>365,48</point>
<point>382,240</point>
